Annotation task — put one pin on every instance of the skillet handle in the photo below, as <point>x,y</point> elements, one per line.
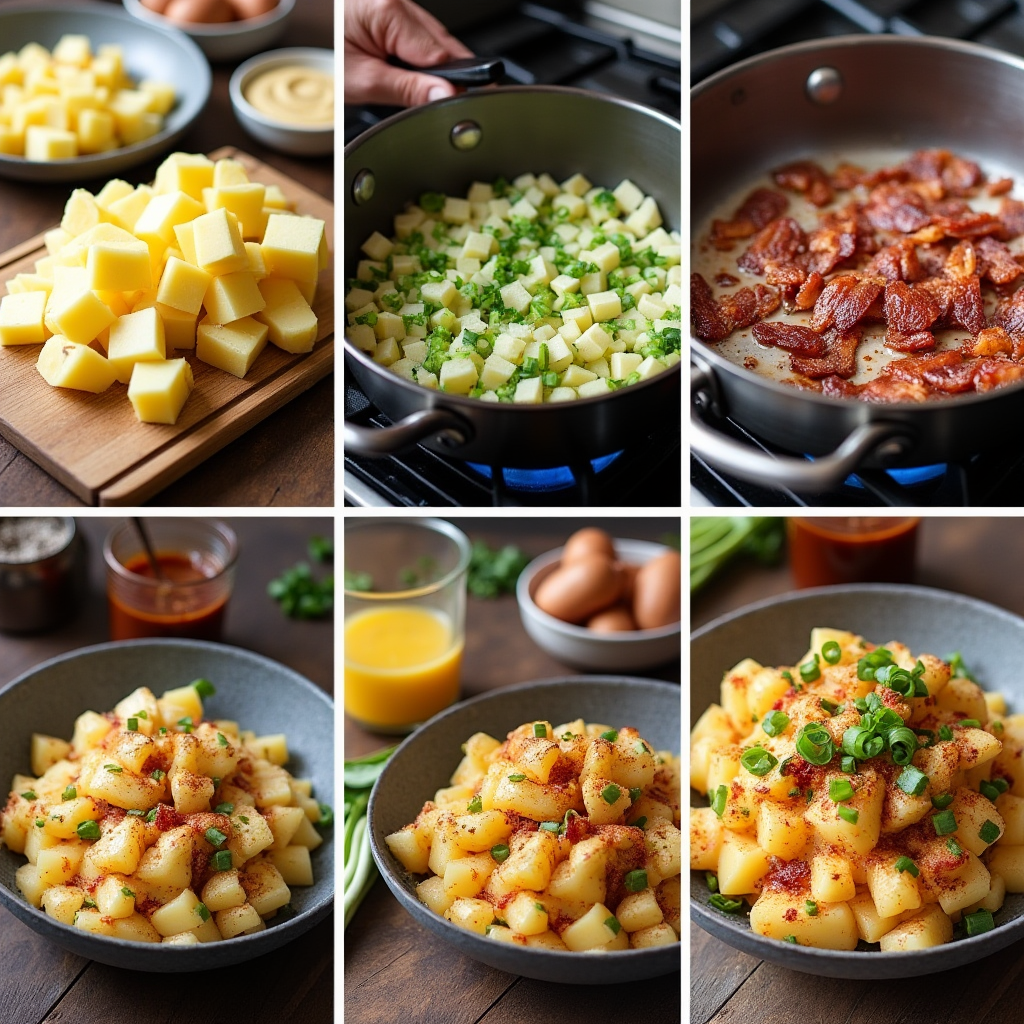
<point>466,71</point>
<point>800,475</point>
<point>453,431</point>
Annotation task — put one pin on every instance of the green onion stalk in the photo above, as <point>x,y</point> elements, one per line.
<point>360,872</point>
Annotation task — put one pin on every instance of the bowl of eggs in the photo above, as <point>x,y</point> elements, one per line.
<point>222,29</point>
<point>604,603</point>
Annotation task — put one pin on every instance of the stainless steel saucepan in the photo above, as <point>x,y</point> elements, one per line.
<point>443,147</point>
<point>822,100</point>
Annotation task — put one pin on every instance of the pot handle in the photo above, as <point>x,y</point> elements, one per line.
<point>453,431</point>
<point>800,475</point>
<point>465,71</point>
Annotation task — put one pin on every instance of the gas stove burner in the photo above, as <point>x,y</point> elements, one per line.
<point>911,476</point>
<point>542,481</point>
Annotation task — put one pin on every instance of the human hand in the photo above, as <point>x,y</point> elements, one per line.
<point>376,29</point>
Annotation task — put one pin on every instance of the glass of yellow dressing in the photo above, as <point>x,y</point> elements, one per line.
<point>405,614</point>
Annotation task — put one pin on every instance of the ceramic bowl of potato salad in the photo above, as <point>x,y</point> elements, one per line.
<point>522,291</point>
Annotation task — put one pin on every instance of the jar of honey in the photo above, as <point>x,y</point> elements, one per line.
<point>183,591</point>
<point>852,549</point>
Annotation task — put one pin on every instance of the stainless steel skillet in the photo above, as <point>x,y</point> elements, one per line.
<point>444,146</point>
<point>846,95</point>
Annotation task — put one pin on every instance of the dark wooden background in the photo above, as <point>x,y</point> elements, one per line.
<point>288,458</point>
<point>977,556</point>
<point>395,970</point>
<point>40,982</point>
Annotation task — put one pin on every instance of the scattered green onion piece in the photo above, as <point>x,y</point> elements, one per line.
<point>989,832</point>
<point>204,687</point>
<point>758,761</point>
<point>978,923</point>
<point>969,723</point>
<point>718,800</point>
<point>500,852</point>
<point>549,826</point>
<point>849,764</point>
<point>70,792</point>
<point>902,744</point>
<point>712,879</point>
<point>221,860</point>
<point>814,744</point>
<point>634,794</point>
<point>945,733</point>
<point>125,891</point>
<point>944,823</point>
<point>475,806</point>
<point>809,670</point>
<point>132,725</point>
<point>215,837</point>
<point>906,864</point>
<point>540,907</point>
<point>612,924</point>
<point>811,907</point>
<point>724,904</point>
<point>942,801</point>
<point>29,794</point>
<point>610,793</point>
<point>204,914</point>
<point>222,739</point>
<point>114,769</point>
<point>88,830</point>
<point>828,705</point>
<point>540,730</point>
<point>954,847</point>
<point>832,652</point>
<point>142,714</point>
<point>871,662</point>
<point>912,781</point>
<point>517,777</point>
<point>225,808</point>
<point>775,723</point>
<point>860,741</point>
<point>839,790</point>
<point>611,735</point>
<point>635,881</point>
<point>641,822</point>
<point>848,814</point>
<point>88,904</point>
<point>157,773</point>
<point>790,939</point>
<point>151,815</point>
<point>243,819</point>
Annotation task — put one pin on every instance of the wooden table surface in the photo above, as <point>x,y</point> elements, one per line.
<point>395,970</point>
<point>40,981</point>
<point>970,556</point>
<point>288,458</point>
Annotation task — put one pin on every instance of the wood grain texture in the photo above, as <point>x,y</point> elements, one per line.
<point>41,982</point>
<point>94,444</point>
<point>976,556</point>
<point>396,970</point>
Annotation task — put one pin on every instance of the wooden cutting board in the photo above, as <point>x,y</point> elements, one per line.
<point>94,445</point>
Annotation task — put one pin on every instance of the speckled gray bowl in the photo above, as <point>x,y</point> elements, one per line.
<point>425,761</point>
<point>258,693</point>
<point>776,632</point>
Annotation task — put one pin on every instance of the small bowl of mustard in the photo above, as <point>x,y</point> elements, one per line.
<point>285,98</point>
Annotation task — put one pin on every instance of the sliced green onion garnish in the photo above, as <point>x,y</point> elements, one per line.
<point>611,735</point>
<point>831,652</point>
<point>88,830</point>
<point>989,832</point>
<point>718,800</point>
<point>979,922</point>
<point>610,793</point>
<point>135,812</point>
<point>635,881</point>
<point>204,687</point>
<point>839,790</point>
<point>475,806</point>
<point>791,939</point>
<point>612,924</point>
<point>809,670</point>
<point>517,777</point>
<point>225,808</point>
<point>942,801</point>
<point>969,723</point>
<point>186,723</point>
<point>540,730</point>
<point>809,905</point>
<point>125,891</point>
<point>860,741</point>
<point>871,662</point>
<point>215,837</point>
<point>848,764</point>
<point>814,743</point>
<point>758,761</point>
<point>114,769</point>
<point>775,723</point>
<point>222,739</point>
<point>157,773</point>
<point>29,794</point>
<point>151,815</point>
<point>200,909</point>
<point>945,733</point>
<point>500,852</point>
<point>142,714</point>
<point>954,847</point>
<point>221,860</point>
<point>641,822</point>
<point>70,792</point>
<point>906,864</point>
<point>723,903</point>
<point>848,814</point>
<point>132,725</point>
<point>549,826</point>
<point>634,794</point>
<point>944,823</point>
<point>912,780</point>
<point>902,744</point>
<point>828,705</point>
<point>712,879</point>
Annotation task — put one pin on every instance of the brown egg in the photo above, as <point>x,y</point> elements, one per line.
<point>201,12</point>
<point>628,571</point>
<point>588,541</point>
<point>657,591</point>
<point>252,8</point>
<point>613,620</point>
<point>573,593</point>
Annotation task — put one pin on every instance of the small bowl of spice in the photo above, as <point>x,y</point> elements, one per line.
<point>222,29</point>
<point>42,572</point>
<point>285,98</point>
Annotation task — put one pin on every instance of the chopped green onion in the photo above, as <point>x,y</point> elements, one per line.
<point>517,777</point>
<point>114,769</point>
<point>942,801</point>
<point>136,812</point>
<point>186,723</point>
<point>549,826</point>
<point>29,794</point>
<point>540,907</point>
<point>979,922</point>
<point>40,823</point>
<point>635,881</point>
<point>811,907</point>
<point>944,823</point>
<point>641,822</point>
<point>860,741</point>
<point>912,781</point>
<point>243,819</point>
<point>712,879</point>
<point>611,735</point>
<point>221,860</point>
<point>989,832</point>
<point>610,793</point>
<point>849,764</point>
<point>540,730</point>
<point>871,662</point>
<point>839,790</point>
<point>612,924</point>
<point>758,761</point>
<point>70,792</point>
<point>814,744</point>
<point>222,739</point>
<point>634,794</point>
<point>809,670</point>
<point>790,939</point>
<point>902,744</point>
<point>848,814</point>
<point>775,723</point>
<point>832,652</point>
<point>500,852</point>
<point>125,891</point>
<point>718,800</point>
<point>225,808</point>
<point>200,909</point>
<point>724,904</point>
<point>151,816</point>
<point>157,773</point>
<point>88,904</point>
<point>906,864</point>
<point>132,725</point>
<point>215,837</point>
<point>969,723</point>
<point>945,733</point>
<point>88,830</point>
<point>204,687</point>
<point>142,714</point>
<point>475,806</point>
<point>828,705</point>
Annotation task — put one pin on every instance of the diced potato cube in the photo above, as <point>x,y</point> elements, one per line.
<point>295,247</point>
<point>183,286</point>
<point>231,297</point>
<point>21,318</point>
<point>45,144</point>
<point>135,338</point>
<point>458,376</point>
<point>158,390</point>
<point>64,364</point>
<point>218,244</point>
<point>232,347</point>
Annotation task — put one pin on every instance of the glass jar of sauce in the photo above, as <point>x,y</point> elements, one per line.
<point>186,595</point>
<point>852,549</point>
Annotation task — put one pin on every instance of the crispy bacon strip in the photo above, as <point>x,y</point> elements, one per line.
<point>807,178</point>
<point>843,302</point>
<point>759,209</point>
<point>714,320</point>
<point>778,242</point>
<point>909,312</point>
<point>840,357</point>
<point>801,341</point>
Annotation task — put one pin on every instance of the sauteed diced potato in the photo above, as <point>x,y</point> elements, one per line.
<point>526,292</point>
<point>561,837</point>
<point>155,825</point>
